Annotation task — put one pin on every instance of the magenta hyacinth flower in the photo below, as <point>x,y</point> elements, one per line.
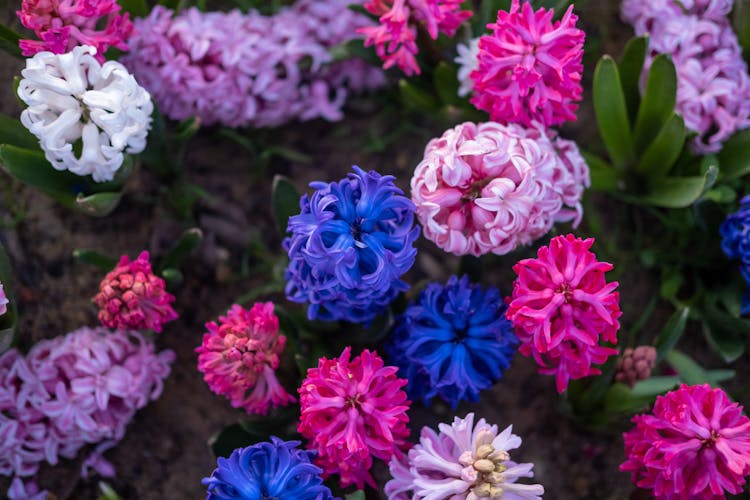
<point>62,25</point>
<point>529,69</point>
<point>695,445</point>
<point>239,357</point>
<point>131,296</point>
<point>489,187</point>
<point>462,461</point>
<point>353,409</point>
<point>395,38</point>
<point>562,307</point>
<point>3,301</point>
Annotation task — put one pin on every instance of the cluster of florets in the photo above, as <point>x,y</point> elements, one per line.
<point>464,460</point>
<point>695,444</point>
<point>529,69</point>
<point>395,38</point>
<point>78,389</point>
<point>353,409</point>
<point>562,307</point>
<point>489,187</point>
<point>635,364</point>
<point>86,115</point>
<point>131,296</point>
<point>453,342</point>
<point>239,357</point>
<point>61,25</point>
<point>735,241</point>
<point>349,247</point>
<point>713,86</point>
<point>248,69</point>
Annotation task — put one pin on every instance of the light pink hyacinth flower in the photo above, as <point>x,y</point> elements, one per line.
<point>395,38</point>
<point>490,188</point>
<point>239,357</point>
<point>131,296</point>
<point>463,461</point>
<point>529,69</point>
<point>3,301</point>
<point>562,307</point>
<point>695,445</point>
<point>353,409</point>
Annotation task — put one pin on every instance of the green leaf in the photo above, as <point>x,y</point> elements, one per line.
<point>741,22</point>
<point>415,97</point>
<point>671,332</point>
<point>287,154</point>
<point>603,176</point>
<point>671,282</point>
<point>680,192</point>
<point>103,262</point>
<point>620,399</point>
<point>285,199</point>
<point>173,277</point>
<point>653,386</point>
<point>690,372</point>
<point>107,492</point>
<point>716,376</point>
<point>663,152</point>
<point>32,168</point>
<point>611,113</point>
<point>357,495</point>
<point>14,133</point>
<point>658,102</point>
<point>725,333</point>
<point>188,241</point>
<point>224,442</point>
<point>9,41</point>
<point>445,81</point>
<point>631,66</point>
<point>734,156</point>
<point>187,128</point>
<point>136,8</point>
<point>98,204</point>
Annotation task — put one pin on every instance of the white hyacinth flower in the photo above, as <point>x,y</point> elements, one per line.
<point>468,61</point>
<point>84,114</point>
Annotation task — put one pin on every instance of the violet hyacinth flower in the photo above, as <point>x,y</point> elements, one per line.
<point>695,444</point>
<point>462,461</point>
<point>529,69</point>
<point>240,355</point>
<point>453,342</point>
<point>562,307</point>
<point>349,247</point>
<point>3,301</point>
<point>735,242</point>
<point>353,410</point>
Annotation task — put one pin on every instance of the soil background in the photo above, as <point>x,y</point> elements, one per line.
<point>164,454</point>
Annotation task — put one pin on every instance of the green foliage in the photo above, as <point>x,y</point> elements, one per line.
<point>9,41</point>
<point>285,199</point>
<point>281,423</point>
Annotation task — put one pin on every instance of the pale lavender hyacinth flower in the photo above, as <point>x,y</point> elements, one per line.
<point>3,301</point>
<point>25,491</point>
<point>463,462</point>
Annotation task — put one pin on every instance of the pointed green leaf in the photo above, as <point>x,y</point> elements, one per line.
<point>98,204</point>
<point>357,495</point>
<point>136,8</point>
<point>446,84</point>
<point>9,41</point>
<point>611,113</point>
<point>415,97</point>
<point>286,199</point>
<point>224,442</point>
<point>671,332</point>
<point>680,192</point>
<point>653,386</point>
<point>620,399</point>
<point>726,334</point>
<point>603,176</point>
<point>188,241</point>
<point>173,277</point>
<point>658,102</point>
<point>14,133</point>
<point>734,156</point>
<point>103,262</point>
<point>631,67</point>
<point>689,371</point>
<point>741,22</point>
<point>663,152</point>
<point>187,128</point>
<point>716,376</point>
<point>32,168</point>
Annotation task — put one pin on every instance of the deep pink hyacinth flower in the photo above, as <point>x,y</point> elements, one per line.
<point>131,296</point>
<point>529,69</point>
<point>353,410</point>
<point>695,445</point>
<point>489,187</point>
<point>239,357</point>
<point>3,301</point>
<point>61,25</point>
<point>562,306</point>
<point>395,38</point>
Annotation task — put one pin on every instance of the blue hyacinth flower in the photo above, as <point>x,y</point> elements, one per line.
<point>453,342</point>
<point>735,242</point>
<point>277,470</point>
<point>349,247</point>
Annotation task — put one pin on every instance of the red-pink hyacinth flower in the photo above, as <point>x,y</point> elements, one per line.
<point>695,445</point>
<point>353,409</point>
<point>562,306</point>
<point>61,25</point>
<point>395,38</point>
<point>529,68</point>
<point>239,357</point>
<point>489,187</point>
<point>131,296</point>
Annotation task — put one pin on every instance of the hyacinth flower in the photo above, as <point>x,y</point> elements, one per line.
<point>278,470</point>
<point>349,247</point>
<point>735,242</point>
<point>62,25</point>
<point>81,388</point>
<point>635,364</point>
<point>26,491</point>
<point>464,461</point>
<point>239,357</point>
<point>490,188</point>
<point>713,85</point>
<point>247,69</point>
<point>131,296</point>
<point>353,409</point>
<point>695,444</point>
<point>562,307</point>
<point>395,38</point>
<point>453,342</point>
<point>529,69</point>
<point>467,60</point>
<point>3,301</point>
<point>73,101</point>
